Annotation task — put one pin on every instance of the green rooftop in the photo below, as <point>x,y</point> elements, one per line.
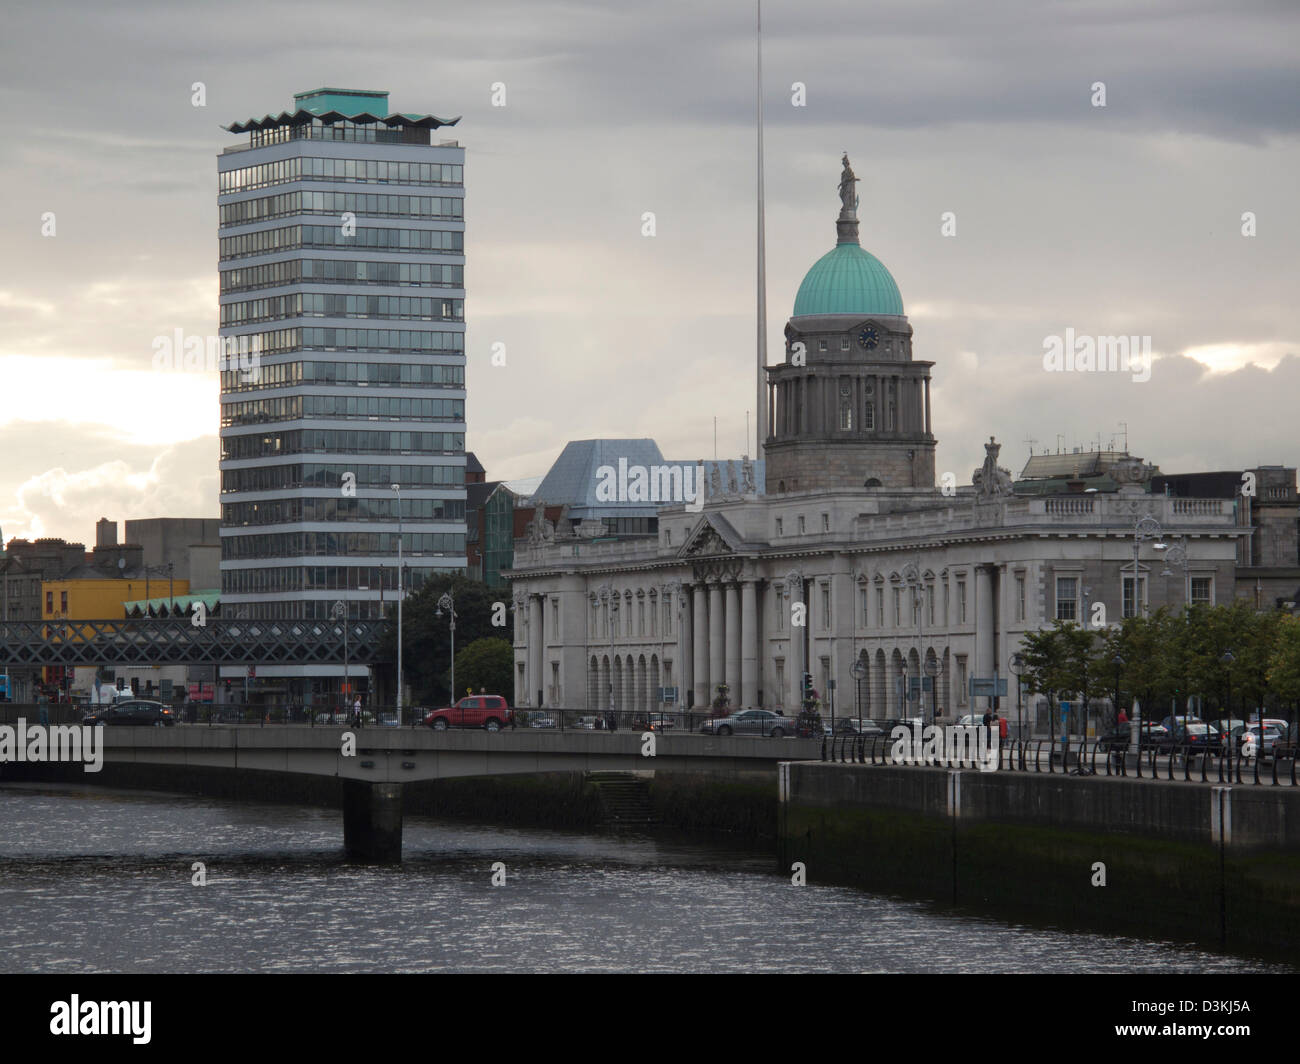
<point>344,101</point>
<point>848,280</point>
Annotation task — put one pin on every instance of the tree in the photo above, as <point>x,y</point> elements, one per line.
<point>1284,662</point>
<point>1045,669</point>
<point>426,644</point>
<point>487,663</point>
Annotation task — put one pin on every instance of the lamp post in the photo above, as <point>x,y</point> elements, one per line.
<point>448,602</point>
<point>674,589</point>
<point>1147,527</point>
<point>1017,666</point>
<point>401,589</point>
<point>1227,659</point>
<point>1118,662</point>
<point>933,668</point>
<point>1177,555</point>
<point>793,580</point>
<point>341,613</point>
<point>610,598</point>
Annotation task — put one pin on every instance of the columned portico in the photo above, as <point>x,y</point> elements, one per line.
<point>750,646</point>
<point>700,633</point>
<point>536,650</point>
<point>717,651</point>
<point>733,645</point>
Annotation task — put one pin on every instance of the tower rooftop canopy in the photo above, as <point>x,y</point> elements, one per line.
<point>341,105</point>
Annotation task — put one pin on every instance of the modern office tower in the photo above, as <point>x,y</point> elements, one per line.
<point>343,382</point>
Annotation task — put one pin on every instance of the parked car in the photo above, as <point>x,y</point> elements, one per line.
<point>1194,738</point>
<point>1121,738</point>
<point>1168,722</point>
<point>136,712</point>
<point>751,722</point>
<point>542,722</point>
<point>489,712</point>
<point>858,726</point>
<point>1272,737</point>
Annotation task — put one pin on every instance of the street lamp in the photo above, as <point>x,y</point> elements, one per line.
<point>1147,527</point>
<point>1017,667</point>
<point>401,589</point>
<point>1118,662</point>
<point>448,602</point>
<point>610,598</point>
<point>1177,555</point>
<point>859,670</point>
<point>1227,659</point>
<point>793,580</point>
<point>341,612</point>
<point>933,668</point>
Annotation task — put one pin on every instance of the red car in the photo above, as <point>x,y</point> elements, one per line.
<point>490,712</point>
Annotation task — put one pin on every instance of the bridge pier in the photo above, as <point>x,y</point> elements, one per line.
<point>372,822</point>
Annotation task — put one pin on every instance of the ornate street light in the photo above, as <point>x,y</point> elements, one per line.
<point>448,602</point>
<point>1147,527</point>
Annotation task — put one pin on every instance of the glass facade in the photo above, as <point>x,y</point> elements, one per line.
<point>333,225</point>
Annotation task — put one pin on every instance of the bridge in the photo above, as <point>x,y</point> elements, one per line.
<point>179,641</point>
<point>375,762</point>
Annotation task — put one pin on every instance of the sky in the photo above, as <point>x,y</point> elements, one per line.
<point>1122,219</point>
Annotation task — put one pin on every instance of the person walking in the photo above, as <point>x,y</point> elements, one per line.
<point>356,713</point>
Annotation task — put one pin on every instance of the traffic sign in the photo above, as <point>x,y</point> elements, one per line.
<point>984,687</point>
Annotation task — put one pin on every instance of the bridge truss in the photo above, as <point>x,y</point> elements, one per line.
<point>167,641</point>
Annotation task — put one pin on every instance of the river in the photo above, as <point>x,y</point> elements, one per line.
<point>98,880</point>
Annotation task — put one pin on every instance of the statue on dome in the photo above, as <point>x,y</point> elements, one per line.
<point>848,193</point>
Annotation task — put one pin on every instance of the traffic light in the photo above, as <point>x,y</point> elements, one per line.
<point>807,683</point>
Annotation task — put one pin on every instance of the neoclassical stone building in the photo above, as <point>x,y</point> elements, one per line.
<point>853,556</point>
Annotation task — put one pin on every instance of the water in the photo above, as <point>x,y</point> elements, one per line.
<point>100,880</point>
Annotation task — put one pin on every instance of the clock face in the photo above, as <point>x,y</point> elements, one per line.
<point>869,338</point>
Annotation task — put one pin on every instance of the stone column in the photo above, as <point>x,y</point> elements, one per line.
<point>733,645</point>
<point>749,653</point>
<point>683,648</point>
<point>535,651</point>
<point>927,406</point>
<point>717,634</point>
<point>700,634</point>
<point>984,620</point>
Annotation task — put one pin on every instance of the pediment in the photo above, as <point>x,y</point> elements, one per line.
<point>712,537</point>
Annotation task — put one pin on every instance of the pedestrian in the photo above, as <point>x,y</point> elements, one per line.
<point>356,713</point>
<point>1122,719</point>
<point>988,724</point>
<point>611,722</point>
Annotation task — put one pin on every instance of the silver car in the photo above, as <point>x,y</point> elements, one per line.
<point>750,722</point>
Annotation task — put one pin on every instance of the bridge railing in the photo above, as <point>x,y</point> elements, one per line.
<point>1182,762</point>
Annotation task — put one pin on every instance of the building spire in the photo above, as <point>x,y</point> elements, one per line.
<point>846,226</point>
<point>760,390</point>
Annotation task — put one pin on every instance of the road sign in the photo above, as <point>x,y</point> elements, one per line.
<point>668,694</point>
<point>984,687</point>
<point>859,669</point>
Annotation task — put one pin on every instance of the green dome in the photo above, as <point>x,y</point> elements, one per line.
<point>848,280</point>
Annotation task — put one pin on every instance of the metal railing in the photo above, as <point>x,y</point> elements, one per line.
<point>1182,762</point>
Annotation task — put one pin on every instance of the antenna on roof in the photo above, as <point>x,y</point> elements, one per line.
<point>1124,426</point>
<point>1031,441</point>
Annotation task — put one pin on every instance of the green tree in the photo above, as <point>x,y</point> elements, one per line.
<point>487,663</point>
<point>426,644</point>
<point>1284,662</point>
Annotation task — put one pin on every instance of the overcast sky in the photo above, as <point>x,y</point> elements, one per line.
<point>1123,219</point>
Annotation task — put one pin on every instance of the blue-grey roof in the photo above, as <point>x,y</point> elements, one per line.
<point>585,465</point>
